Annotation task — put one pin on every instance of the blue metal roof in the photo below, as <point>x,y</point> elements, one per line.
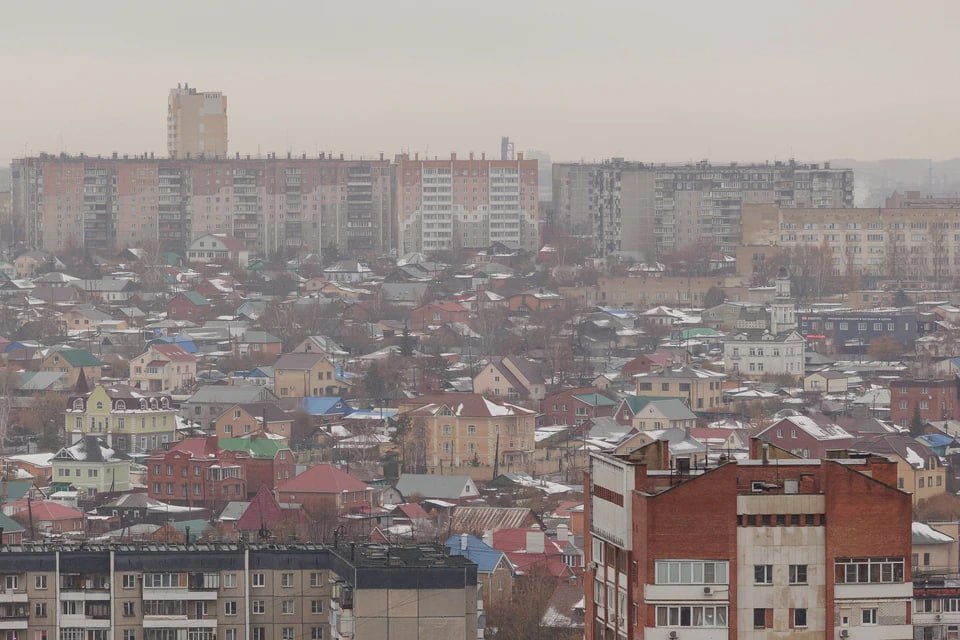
<point>322,405</point>
<point>477,551</point>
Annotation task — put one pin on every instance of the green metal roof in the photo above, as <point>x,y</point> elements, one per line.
<point>196,298</point>
<point>256,447</point>
<point>595,399</point>
<point>79,358</point>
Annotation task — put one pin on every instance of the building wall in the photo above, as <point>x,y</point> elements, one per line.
<point>196,123</point>
<point>93,477</point>
<point>936,399</point>
<point>298,383</point>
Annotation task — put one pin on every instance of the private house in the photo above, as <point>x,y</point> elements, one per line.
<point>286,522</point>
<point>164,367</point>
<point>257,344</point>
<point>919,469</point>
<point>534,301</point>
<point>297,375</point>
<point>110,290</point>
<point>665,413</point>
<point>323,488</point>
<point>467,433</point>
<point>454,489</point>
<point>631,405</point>
<point>434,314</point>
<point>189,305</point>
<point>90,467</point>
<point>248,420</point>
<point>269,462</point>
<point>576,406</point>
<point>494,571</point>
<point>218,249</point>
<point>320,344</point>
<point>701,388</point>
<point>71,363</point>
<point>86,318</point>
<point>46,516</point>
<point>807,436</point>
<point>197,472</point>
<point>757,352</point>
<point>209,401</point>
<point>647,362</point>
<point>825,382</point>
<point>512,378</point>
<point>125,419</point>
<point>347,271</point>
<point>27,264</point>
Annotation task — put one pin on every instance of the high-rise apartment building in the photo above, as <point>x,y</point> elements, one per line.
<point>275,205</point>
<point>236,592</point>
<point>758,549</point>
<point>453,204</point>
<point>648,209</point>
<point>196,123</point>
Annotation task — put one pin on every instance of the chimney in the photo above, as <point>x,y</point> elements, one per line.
<point>563,533</point>
<point>488,538</point>
<point>535,542</point>
<point>463,541</point>
<point>520,156</point>
<point>453,156</point>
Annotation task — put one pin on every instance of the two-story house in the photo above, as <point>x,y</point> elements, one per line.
<point>434,314</point>
<point>197,472</point>
<point>164,367</point>
<point>268,464</point>
<point>297,375</point>
<point>576,406</point>
<point>701,388</point>
<point>511,378</point>
<point>323,488</point>
<point>219,249</point>
<point>91,467</point>
<point>72,362</point>
<point>807,436</point>
<point>246,420</point>
<point>189,305</point>
<point>125,418</point>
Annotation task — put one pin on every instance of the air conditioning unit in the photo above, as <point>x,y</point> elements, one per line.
<point>937,617</point>
<point>673,635</point>
<point>708,591</point>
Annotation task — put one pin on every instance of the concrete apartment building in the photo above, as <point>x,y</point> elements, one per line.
<point>237,592</point>
<point>912,243</point>
<point>456,203</point>
<point>286,205</point>
<point>196,123</point>
<point>755,549</point>
<point>647,209</point>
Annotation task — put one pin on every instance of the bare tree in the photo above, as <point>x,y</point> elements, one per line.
<point>894,251</point>
<point>939,252</point>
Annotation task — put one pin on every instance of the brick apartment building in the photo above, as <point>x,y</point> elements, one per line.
<point>197,472</point>
<point>750,549</point>
<point>936,398</point>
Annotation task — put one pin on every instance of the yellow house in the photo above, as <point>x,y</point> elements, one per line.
<point>936,547</point>
<point>91,467</point>
<point>919,469</point>
<point>126,419</point>
<point>466,433</point>
<point>299,375</point>
<point>163,367</point>
<point>71,362</point>
<point>701,388</point>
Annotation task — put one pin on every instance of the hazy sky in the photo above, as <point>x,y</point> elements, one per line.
<point>660,80</point>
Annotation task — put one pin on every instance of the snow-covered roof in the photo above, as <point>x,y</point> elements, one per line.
<point>925,534</point>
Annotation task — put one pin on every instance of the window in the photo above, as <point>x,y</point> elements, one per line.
<point>128,581</point>
<point>868,570</point>
<point>257,580</point>
<point>129,634</point>
<point>287,633</point>
<point>128,609</point>
<point>868,616</point>
<point>230,608</point>
<point>316,606</point>
<point>286,607</point>
<point>316,579</point>
<point>763,574</point>
<point>316,633</point>
<point>40,581</point>
<point>286,579</point>
<point>692,616</point>
<point>760,618</point>
<point>926,605</point>
<point>259,633</point>
<point>230,634</point>
<point>799,618</point>
<point>40,609</point>
<point>689,572</point>
<point>256,606</point>
<point>230,580</point>
<point>798,574</point>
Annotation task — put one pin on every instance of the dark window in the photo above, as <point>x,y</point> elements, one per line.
<point>759,618</point>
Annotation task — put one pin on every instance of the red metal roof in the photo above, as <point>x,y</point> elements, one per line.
<point>323,478</point>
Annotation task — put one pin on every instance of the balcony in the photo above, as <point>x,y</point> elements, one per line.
<point>12,596</point>
<point>178,622</point>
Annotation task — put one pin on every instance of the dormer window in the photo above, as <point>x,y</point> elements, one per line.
<point>121,405</point>
<point>78,405</point>
<point>164,403</point>
<point>99,405</point>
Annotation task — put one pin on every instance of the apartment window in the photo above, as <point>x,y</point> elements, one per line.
<point>230,580</point>
<point>230,634</point>
<point>926,605</point>
<point>664,386</point>
<point>40,609</point>
<point>128,609</point>
<point>316,606</point>
<point>868,570</point>
<point>692,616</point>
<point>286,633</point>
<point>763,574</point>
<point>11,582</point>
<point>798,574</point>
<point>762,618</point>
<point>690,572</point>
<point>259,633</point>
<point>256,606</point>
<point>230,608</point>
<point>316,633</point>
<point>645,386</point>
<point>286,579</point>
<point>129,634</point>
<point>799,618</point>
<point>316,579</point>
<point>40,581</point>
<point>286,607</point>
<point>868,616</point>
<point>258,580</point>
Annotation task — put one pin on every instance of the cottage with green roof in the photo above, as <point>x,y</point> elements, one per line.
<point>270,463</point>
<point>72,362</point>
<point>189,305</point>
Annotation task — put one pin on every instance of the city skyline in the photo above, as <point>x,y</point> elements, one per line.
<point>814,82</point>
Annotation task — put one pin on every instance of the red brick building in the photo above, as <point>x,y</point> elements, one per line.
<point>576,406</point>
<point>197,472</point>
<point>324,487</point>
<point>752,548</point>
<point>189,305</point>
<point>935,397</point>
<point>434,314</point>
<point>807,436</point>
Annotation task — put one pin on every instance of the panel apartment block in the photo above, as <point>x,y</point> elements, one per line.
<point>453,204</point>
<point>647,209</point>
<point>275,205</point>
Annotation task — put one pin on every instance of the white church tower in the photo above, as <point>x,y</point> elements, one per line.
<point>782,311</point>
